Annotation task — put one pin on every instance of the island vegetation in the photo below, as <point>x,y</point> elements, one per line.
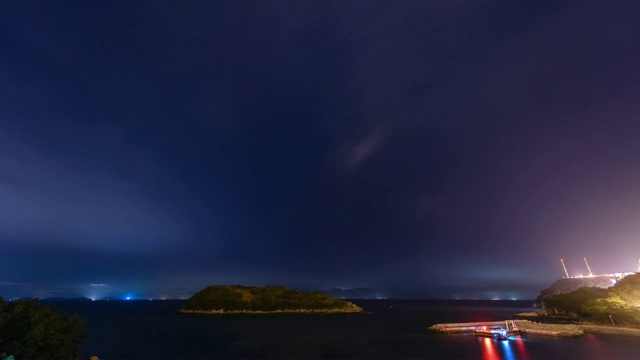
<point>617,305</point>
<point>233,299</point>
<point>29,330</point>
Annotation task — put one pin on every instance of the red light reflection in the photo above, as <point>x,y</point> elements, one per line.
<point>489,350</point>
<point>522,350</point>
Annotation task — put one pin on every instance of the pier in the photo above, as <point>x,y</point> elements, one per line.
<point>454,328</point>
<point>514,327</point>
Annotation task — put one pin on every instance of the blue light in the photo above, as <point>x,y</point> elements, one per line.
<point>508,352</point>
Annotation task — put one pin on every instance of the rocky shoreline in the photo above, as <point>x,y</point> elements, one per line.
<point>349,310</point>
<point>584,327</point>
<point>611,330</point>
<point>547,329</point>
<point>572,330</point>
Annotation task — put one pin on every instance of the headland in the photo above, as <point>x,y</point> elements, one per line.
<point>568,310</point>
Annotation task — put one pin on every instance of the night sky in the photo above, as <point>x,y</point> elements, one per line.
<point>435,149</point>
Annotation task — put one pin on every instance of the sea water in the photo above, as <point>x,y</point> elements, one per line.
<point>390,328</point>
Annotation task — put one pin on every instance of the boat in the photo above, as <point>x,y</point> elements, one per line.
<point>496,333</point>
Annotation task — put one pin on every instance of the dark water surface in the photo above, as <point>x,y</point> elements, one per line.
<point>391,329</point>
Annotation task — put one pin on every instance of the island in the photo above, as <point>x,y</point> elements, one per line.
<point>237,299</point>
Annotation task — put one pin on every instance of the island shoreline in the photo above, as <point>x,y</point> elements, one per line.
<point>262,312</point>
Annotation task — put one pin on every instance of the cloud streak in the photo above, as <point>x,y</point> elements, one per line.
<point>363,150</point>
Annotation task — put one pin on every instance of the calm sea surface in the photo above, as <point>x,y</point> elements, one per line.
<point>391,329</point>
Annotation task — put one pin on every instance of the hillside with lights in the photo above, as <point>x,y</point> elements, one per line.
<point>572,283</point>
<point>615,305</point>
<point>567,285</point>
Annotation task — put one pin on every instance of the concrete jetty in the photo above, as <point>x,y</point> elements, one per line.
<point>453,328</point>
<point>514,327</point>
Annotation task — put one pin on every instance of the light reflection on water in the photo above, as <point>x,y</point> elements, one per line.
<point>489,351</point>
<point>520,345</point>
<point>508,351</point>
<point>512,349</point>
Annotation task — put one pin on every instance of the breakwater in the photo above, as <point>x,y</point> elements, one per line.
<point>514,327</point>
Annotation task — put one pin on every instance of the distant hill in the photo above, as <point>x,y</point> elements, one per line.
<point>224,299</point>
<point>59,299</point>
<point>56,299</point>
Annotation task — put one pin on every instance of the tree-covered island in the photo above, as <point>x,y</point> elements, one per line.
<point>236,299</point>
